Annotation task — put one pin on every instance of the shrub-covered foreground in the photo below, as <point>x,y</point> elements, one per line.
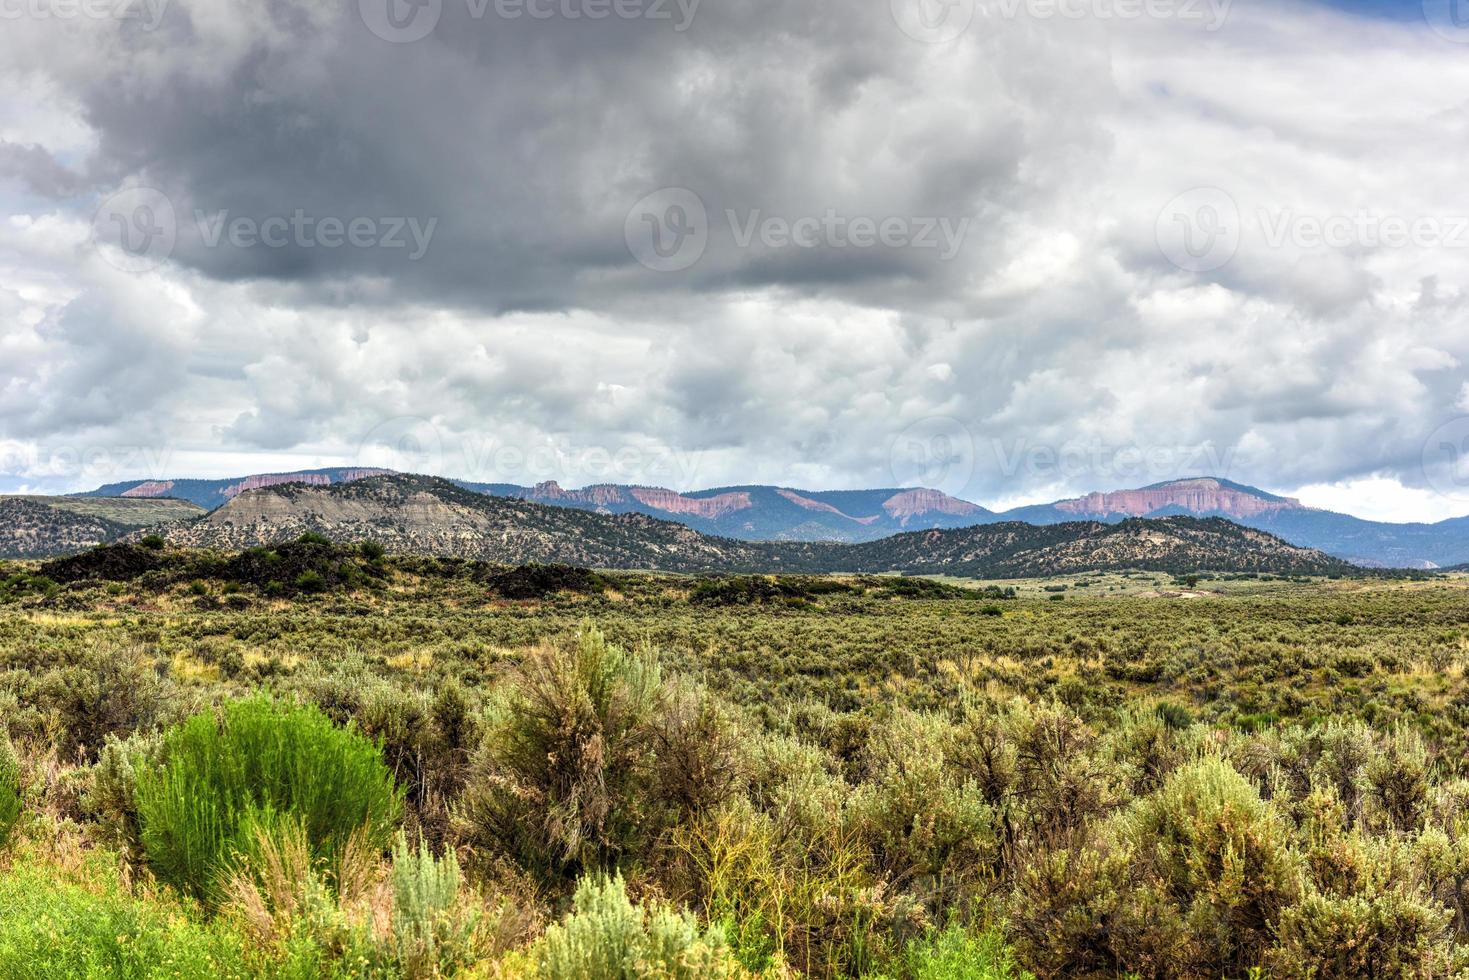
<point>572,806</point>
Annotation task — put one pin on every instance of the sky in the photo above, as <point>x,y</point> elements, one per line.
<point>1012,249</point>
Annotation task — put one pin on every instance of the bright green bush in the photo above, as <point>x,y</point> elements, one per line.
<point>222,776</point>
<point>9,789</point>
<point>52,928</point>
<point>956,953</point>
<point>607,937</point>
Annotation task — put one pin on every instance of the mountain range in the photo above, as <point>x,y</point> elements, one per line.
<point>768,513</point>
<point>427,515</point>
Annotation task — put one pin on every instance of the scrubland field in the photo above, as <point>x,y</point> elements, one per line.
<point>323,762</point>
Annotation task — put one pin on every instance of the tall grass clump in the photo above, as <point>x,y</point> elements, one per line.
<point>607,937</point>
<point>224,776</point>
<point>956,953</point>
<point>56,924</point>
<point>9,789</point>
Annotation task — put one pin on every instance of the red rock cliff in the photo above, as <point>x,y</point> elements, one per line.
<point>911,503</point>
<point>599,496</point>
<point>677,503</point>
<point>275,480</point>
<point>153,488</point>
<point>1202,495</point>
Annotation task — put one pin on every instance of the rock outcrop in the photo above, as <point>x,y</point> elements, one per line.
<point>152,488</point>
<point>904,506</point>
<point>671,502</point>
<point>1199,496</point>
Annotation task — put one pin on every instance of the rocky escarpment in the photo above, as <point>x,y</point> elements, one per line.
<point>1199,496</point>
<point>765,513</point>
<point>282,479</point>
<point>905,506</point>
<point>598,495</point>
<point>212,493</point>
<point>670,502</point>
<point>149,488</point>
<point>750,513</point>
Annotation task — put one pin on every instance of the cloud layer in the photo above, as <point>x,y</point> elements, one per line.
<point>821,244</point>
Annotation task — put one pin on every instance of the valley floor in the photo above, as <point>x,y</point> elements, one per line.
<point>619,774</point>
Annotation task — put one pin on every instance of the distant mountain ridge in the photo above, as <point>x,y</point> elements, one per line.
<point>765,513</point>
<point>433,516</point>
<point>210,494</point>
<point>1363,542</point>
<point>768,513</point>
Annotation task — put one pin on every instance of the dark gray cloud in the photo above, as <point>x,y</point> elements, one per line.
<point>529,140</point>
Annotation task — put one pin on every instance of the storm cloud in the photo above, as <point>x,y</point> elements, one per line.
<point>1016,249</point>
